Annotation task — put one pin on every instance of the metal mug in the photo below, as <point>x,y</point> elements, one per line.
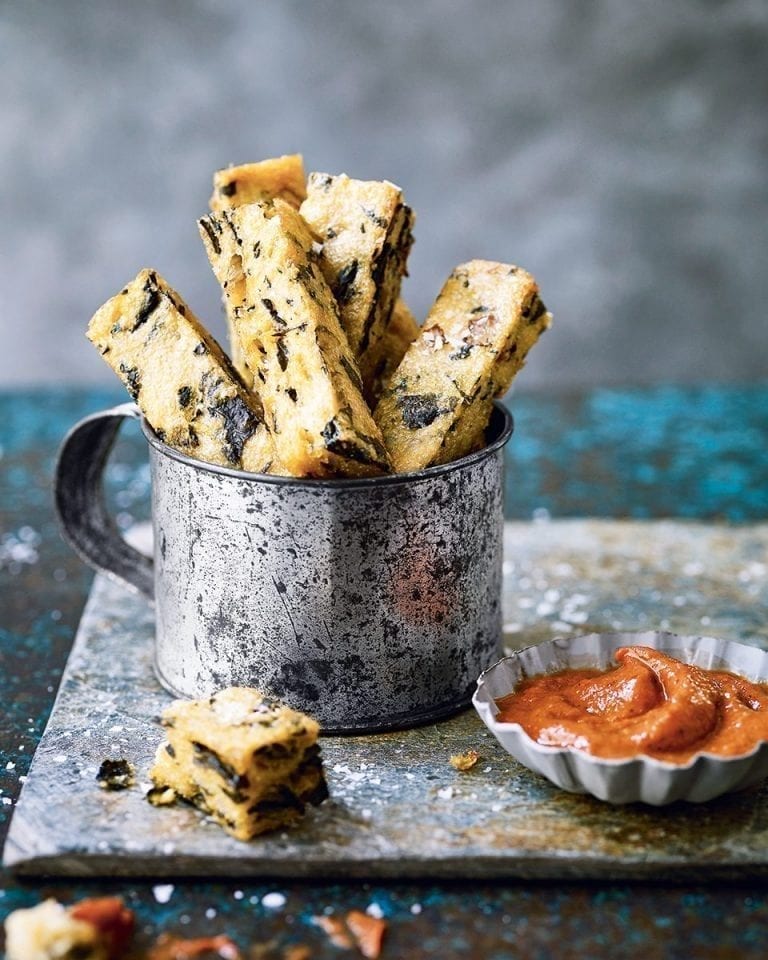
<point>371,604</point>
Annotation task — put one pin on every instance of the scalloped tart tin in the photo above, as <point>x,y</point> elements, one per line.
<point>640,778</point>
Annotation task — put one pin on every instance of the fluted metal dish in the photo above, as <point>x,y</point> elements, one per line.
<point>641,778</point>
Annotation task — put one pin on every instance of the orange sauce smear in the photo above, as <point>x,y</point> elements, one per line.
<point>649,703</point>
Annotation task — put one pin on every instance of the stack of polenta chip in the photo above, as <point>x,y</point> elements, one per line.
<point>330,374</point>
<point>250,763</point>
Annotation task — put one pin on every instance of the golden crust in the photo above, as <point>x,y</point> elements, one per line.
<point>288,326</point>
<point>365,230</point>
<point>182,380</point>
<point>237,722</point>
<point>475,339</point>
<point>250,763</point>
<point>281,177</point>
<point>385,357</point>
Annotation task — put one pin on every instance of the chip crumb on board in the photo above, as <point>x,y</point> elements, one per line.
<point>464,761</point>
<point>115,774</point>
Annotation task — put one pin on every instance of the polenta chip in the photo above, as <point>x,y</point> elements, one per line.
<point>287,323</point>
<point>180,377</point>
<point>475,339</point>
<point>365,230</point>
<point>281,177</point>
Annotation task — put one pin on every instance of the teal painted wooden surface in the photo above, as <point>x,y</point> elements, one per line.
<point>682,452</point>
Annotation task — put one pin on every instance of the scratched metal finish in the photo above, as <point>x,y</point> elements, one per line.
<point>370,605</point>
<point>398,809</point>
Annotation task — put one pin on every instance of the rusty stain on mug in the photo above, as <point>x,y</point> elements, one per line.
<point>371,604</point>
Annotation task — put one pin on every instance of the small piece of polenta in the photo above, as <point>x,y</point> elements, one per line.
<point>180,377</point>
<point>477,335</point>
<point>287,323</point>
<point>251,763</point>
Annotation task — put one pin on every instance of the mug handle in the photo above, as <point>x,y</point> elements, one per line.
<point>79,498</point>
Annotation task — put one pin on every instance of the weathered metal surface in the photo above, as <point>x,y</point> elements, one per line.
<point>373,604</point>
<point>398,808</point>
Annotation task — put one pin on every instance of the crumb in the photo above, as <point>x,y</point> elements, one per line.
<point>111,918</point>
<point>368,932</point>
<point>335,930</point>
<point>115,775</point>
<point>297,951</point>
<point>161,796</point>
<point>464,761</point>
<point>97,928</point>
<point>357,929</point>
<point>167,947</point>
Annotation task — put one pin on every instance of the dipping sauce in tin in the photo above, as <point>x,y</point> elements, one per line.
<point>649,703</point>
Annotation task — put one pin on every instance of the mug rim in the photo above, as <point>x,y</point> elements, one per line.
<point>505,431</point>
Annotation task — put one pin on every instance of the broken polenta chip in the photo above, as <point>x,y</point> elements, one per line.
<point>251,763</point>
<point>184,383</point>
<point>365,229</point>
<point>288,326</point>
<point>475,339</point>
<point>281,177</point>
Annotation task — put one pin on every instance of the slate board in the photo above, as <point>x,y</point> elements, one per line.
<point>398,808</point>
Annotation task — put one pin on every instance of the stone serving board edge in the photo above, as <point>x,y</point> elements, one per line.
<point>397,808</point>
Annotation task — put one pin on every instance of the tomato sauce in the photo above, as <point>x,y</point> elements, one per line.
<point>649,703</point>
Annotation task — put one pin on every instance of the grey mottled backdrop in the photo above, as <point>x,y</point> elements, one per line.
<point>615,148</point>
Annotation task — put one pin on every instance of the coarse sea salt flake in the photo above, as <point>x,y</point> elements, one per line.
<point>273,900</point>
<point>575,616</point>
<point>163,892</point>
